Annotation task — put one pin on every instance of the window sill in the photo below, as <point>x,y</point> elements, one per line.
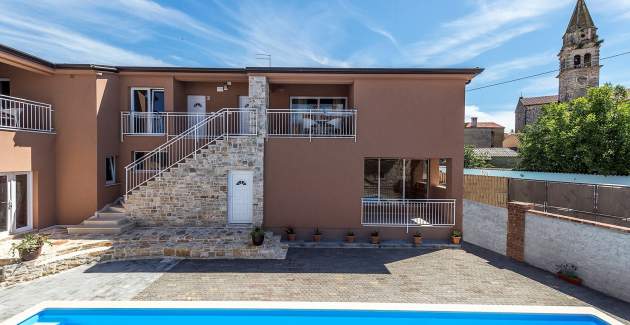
<point>111,184</point>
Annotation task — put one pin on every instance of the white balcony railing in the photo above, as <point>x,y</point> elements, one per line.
<point>158,124</point>
<point>218,125</point>
<point>27,115</point>
<point>407,213</point>
<point>312,123</point>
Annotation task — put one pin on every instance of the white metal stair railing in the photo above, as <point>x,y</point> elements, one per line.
<point>407,213</point>
<point>23,114</point>
<point>222,124</point>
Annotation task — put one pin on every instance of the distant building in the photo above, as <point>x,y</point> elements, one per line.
<point>579,67</point>
<point>499,157</point>
<point>510,140</point>
<point>483,134</point>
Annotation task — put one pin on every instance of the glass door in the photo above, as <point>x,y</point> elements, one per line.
<point>15,214</point>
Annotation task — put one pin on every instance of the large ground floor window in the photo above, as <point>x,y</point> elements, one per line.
<point>400,178</point>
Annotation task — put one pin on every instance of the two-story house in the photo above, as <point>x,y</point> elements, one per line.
<point>331,148</point>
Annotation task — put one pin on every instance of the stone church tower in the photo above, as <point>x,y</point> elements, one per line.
<point>579,56</point>
<point>579,67</point>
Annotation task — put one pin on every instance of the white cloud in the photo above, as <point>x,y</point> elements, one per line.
<point>620,9</point>
<point>523,64</point>
<point>504,117</point>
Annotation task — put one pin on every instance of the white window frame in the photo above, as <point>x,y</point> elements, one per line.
<point>132,105</point>
<point>29,206</point>
<point>113,165</point>
<point>318,98</point>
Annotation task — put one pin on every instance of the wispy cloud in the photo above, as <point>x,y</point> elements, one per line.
<point>524,64</point>
<point>541,86</point>
<point>490,25</point>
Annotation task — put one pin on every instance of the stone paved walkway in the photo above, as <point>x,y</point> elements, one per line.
<point>473,276</point>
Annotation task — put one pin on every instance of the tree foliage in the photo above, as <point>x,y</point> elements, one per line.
<point>587,135</point>
<point>473,160</point>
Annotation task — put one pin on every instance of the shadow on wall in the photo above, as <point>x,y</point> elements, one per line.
<point>599,300</point>
<point>299,260</point>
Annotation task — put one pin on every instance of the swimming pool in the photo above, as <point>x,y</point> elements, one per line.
<point>285,313</point>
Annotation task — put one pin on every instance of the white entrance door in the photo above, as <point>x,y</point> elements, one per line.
<point>244,118</point>
<point>240,196</point>
<point>197,108</point>
<point>15,203</point>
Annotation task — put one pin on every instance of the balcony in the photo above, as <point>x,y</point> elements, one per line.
<point>170,124</point>
<point>296,123</point>
<point>25,115</point>
<point>407,213</point>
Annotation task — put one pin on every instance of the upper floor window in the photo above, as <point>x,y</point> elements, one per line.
<point>577,60</point>
<point>323,103</point>
<point>587,59</point>
<point>5,87</point>
<point>147,99</point>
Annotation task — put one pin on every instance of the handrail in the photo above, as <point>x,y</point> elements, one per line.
<point>407,213</point>
<point>24,114</point>
<point>157,123</point>
<point>223,123</point>
<point>312,123</point>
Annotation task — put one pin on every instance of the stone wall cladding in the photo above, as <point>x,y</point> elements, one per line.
<point>600,253</point>
<point>485,226</point>
<point>194,193</point>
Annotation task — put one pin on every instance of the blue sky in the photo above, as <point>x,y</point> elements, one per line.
<point>508,38</point>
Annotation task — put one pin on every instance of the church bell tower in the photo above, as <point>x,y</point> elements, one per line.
<point>579,56</point>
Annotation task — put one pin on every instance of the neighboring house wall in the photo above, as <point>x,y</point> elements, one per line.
<point>483,137</point>
<point>526,115</point>
<point>320,183</point>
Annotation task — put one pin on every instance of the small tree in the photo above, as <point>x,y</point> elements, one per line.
<point>473,160</point>
<point>587,135</point>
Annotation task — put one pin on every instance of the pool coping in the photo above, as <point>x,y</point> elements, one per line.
<point>575,310</point>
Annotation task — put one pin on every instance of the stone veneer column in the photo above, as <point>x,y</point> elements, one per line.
<point>516,230</point>
<point>259,99</point>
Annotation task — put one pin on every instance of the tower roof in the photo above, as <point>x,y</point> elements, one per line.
<point>581,18</point>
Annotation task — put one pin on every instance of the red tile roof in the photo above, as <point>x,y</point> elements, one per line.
<point>541,100</point>
<point>485,125</point>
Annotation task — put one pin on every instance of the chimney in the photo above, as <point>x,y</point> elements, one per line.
<point>473,122</point>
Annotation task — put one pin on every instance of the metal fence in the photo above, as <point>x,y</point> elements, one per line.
<point>602,203</point>
<point>312,123</point>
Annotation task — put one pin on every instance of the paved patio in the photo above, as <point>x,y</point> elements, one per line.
<point>472,275</point>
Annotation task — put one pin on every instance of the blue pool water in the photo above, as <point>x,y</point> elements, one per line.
<point>285,317</point>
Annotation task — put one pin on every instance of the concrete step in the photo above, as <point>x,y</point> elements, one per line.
<point>115,208</point>
<point>111,214</point>
<point>106,220</point>
<point>99,229</point>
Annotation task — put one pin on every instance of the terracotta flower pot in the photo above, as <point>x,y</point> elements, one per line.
<point>572,280</point>
<point>376,239</point>
<point>258,239</point>
<point>29,256</point>
<point>456,240</point>
<point>291,237</point>
<point>350,239</point>
<point>417,241</point>
<point>317,238</point>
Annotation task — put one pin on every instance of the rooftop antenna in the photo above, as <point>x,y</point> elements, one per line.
<point>264,56</point>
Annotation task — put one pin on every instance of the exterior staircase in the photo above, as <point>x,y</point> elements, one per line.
<point>112,219</point>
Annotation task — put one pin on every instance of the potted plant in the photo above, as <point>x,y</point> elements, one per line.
<point>258,236</point>
<point>290,233</point>
<point>375,237</point>
<point>456,236</point>
<point>568,273</point>
<point>417,238</point>
<point>350,236</point>
<point>30,247</point>
<point>317,235</point>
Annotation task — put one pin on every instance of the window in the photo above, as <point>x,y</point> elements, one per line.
<point>394,178</point>
<point>576,61</point>
<point>147,99</point>
<point>587,59</point>
<point>156,162</point>
<point>323,103</point>
<point>5,87</point>
<point>110,170</point>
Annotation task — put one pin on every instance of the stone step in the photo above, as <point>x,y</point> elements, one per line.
<point>99,229</point>
<point>111,214</point>
<point>115,208</point>
<point>106,220</point>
